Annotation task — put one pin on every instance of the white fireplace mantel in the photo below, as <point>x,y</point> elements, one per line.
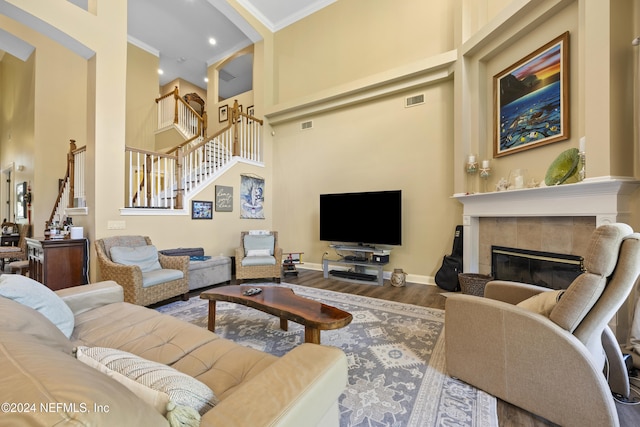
<point>608,199</point>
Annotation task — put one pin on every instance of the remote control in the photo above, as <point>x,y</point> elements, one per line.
<point>252,291</point>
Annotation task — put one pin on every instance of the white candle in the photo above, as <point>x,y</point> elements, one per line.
<point>583,143</point>
<point>472,159</point>
<point>519,181</point>
<point>485,164</point>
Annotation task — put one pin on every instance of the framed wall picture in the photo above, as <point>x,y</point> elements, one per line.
<point>21,201</point>
<point>223,113</point>
<point>201,209</point>
<point>224,198</point>
<point>251,197</point>
<point>531,99</point>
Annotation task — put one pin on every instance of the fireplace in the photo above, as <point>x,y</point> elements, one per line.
<point>548,269</point>
<point>604,200</point>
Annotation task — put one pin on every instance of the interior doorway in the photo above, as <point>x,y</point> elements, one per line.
<point>7,193</point>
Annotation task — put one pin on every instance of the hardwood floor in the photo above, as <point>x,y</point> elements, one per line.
<point>431,296</point>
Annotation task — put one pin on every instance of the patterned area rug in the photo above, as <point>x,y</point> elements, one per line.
<point>395,352</point>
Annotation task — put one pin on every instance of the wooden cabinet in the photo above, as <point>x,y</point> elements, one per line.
<point>58,264</point>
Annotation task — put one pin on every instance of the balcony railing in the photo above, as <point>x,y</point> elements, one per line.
<point>167,180</point>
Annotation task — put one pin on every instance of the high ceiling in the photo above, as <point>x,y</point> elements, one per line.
<point>178,31</point>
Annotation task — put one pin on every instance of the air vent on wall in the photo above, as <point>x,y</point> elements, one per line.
<point>306,125</point>
<point>412,101</point>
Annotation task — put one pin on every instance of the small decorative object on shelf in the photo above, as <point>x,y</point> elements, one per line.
<point>582,165</point>
<point>517,178</point>
<point>471,168</point>
<point>502,185</point>
<point>485,173</point>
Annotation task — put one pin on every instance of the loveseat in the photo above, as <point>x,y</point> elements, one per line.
<point>45,384</point>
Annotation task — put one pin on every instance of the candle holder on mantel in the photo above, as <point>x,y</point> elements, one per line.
<point>471,168</point>
<point>485,173</point>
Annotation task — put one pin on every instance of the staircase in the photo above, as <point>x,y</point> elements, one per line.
<point>169,180</point>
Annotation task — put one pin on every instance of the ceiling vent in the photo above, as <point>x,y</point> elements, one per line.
<point>412,101</point>
<point>306,125</point>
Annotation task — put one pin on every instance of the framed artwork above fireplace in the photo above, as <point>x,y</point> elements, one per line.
<point>531,99</point>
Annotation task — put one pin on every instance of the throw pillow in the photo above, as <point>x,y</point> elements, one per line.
<point>258,252</point>
<point>543,303</point>
<point>154,382</point>
<point>33,294</point>
<point>145,257</point>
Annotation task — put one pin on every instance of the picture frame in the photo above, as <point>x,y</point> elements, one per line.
<point>224,198</point>
<point>531,100</point>
<point>223,113</point>
<point>21,201</point>
<point>201,209</point>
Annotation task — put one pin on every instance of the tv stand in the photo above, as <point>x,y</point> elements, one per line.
<point>360,261</point>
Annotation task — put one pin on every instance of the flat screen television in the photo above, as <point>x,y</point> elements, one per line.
<point>373,217</point>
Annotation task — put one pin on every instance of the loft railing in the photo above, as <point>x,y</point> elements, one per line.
<point>166,180</point>
<point>176,111</point>
<point>72,192</point>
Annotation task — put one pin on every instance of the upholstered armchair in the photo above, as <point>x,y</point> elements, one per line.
<point>544,350</point>
<point>146,276</point>
<point>18,252</point>
<point>258,257</point>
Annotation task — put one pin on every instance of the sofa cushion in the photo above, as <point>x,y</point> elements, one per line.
<point>155,277</point>
<point>160,381</point>
<point>252,242</point>
<point>65,391</point>
<point>543,303</point>
<point>258,260</point>
<point>28,292</point>
<point>25,320</point>
<point>145,257</point>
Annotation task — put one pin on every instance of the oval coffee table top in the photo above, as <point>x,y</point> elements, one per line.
<point>284,303</point>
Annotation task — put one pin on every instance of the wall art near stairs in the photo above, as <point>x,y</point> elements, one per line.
<point>251,197</point>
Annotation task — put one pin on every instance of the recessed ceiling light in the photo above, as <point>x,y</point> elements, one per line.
<point>206,79</point>
<point>160,71</point>
<point>212,41</point>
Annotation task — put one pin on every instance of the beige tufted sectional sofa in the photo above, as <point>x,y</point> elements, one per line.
<point>45,385</point>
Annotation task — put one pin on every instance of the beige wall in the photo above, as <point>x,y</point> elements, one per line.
<point>17,80</point>
<point>142,90</point>
<point>350,40</point>
<point>46,102</point>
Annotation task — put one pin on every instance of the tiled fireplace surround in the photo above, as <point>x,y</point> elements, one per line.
<point>551,219</point>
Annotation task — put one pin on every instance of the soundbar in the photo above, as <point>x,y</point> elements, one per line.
<point>353,275</point>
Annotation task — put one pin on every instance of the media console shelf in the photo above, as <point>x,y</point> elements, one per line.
<point>360,261</point>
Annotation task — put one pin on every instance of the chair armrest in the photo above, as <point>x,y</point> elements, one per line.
<point>174,262</point>
<point>511,292</point>
<point>277,253</point>
<point>525,359</point>
<point>239,255</point>
<point>87,297</point>
<point>296,390</point>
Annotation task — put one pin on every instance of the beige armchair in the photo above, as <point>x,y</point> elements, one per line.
<point>146,276</point>
<point>258,257</point>
<point>550,365</point>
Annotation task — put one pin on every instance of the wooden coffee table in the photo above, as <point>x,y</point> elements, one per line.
<point>281,302</point>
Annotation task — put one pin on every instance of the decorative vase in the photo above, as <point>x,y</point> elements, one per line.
<point>398,278</point>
